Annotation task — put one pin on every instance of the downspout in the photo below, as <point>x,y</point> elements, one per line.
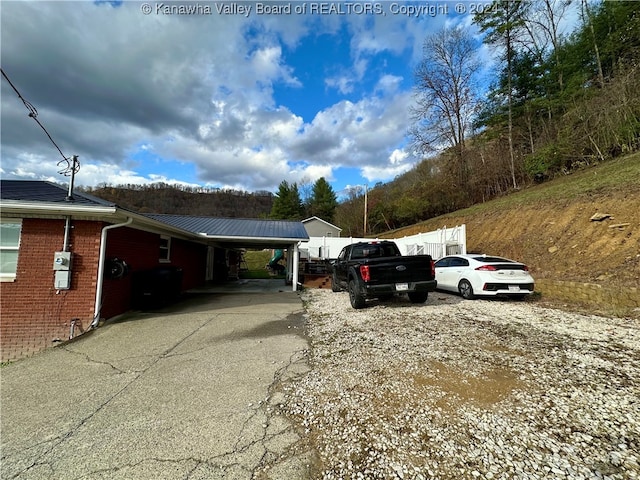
<point>101,262</point>
<point>295,266</point>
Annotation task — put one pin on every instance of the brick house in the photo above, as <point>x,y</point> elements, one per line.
<point>68,263</point>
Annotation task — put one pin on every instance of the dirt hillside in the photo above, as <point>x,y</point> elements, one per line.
<point>550,227</point>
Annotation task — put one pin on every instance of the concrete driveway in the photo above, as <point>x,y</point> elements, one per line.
<point>189,392</point>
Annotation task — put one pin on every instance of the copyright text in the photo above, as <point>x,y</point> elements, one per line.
<point>248,8</point>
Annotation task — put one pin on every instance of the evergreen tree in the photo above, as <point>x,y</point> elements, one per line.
<point>502,23</point>
<point>287,204</point>
<point>323,202</point>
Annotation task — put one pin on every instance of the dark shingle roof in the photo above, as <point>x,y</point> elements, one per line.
<point>233,231</point>
<point>39,191</point>
<point>236,227</point>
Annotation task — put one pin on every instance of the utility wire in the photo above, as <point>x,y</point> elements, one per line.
<point>33,113</point>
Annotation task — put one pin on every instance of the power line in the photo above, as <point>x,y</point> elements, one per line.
<point>71,166</point>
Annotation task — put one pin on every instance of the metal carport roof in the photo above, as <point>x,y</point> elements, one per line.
<point>239,232</point>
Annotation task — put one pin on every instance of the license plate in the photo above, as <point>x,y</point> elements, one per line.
<point>402,287</point>
<point>514,288</point>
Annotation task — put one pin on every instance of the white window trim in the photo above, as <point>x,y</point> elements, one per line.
<point>168,249</point>
<point>11,277</point>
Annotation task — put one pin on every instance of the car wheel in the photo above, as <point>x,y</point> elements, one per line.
<point>355,297</point>
<point>418,297</point>
<point>466,290</point>
<point>335,286</point>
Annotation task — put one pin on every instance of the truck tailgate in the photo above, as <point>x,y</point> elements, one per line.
<point>401,270</point>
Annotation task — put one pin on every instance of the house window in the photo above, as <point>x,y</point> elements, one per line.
<point>165,248</point>
<point>329,234</point>
<point>9,246</point>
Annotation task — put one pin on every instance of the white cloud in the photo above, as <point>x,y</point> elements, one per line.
<point>398,156</point>
<point>267,65</point>
<point>113,175</point>
<point>388,84</point>
<point>115,86</point>
<point>344,83</point>
<point>398,163</point>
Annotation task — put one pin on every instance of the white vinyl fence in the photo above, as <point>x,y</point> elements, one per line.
<point>444,241</point>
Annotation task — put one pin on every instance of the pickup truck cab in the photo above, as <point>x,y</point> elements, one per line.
<point>377,269</point>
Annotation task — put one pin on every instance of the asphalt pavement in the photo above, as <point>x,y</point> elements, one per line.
<point>187,392</point>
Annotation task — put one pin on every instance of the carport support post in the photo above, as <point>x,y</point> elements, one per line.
<point>293,258</point>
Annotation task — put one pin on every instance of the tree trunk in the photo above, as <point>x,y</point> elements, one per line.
<point>587,15</point>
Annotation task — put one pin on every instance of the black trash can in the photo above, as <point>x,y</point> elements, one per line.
<point>157,287</point>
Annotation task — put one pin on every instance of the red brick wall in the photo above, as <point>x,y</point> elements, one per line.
<point>33,314</point>
<point>192,258</point>
<point>141,251</point>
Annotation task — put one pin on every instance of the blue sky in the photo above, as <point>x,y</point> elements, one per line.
<point>221,100</point>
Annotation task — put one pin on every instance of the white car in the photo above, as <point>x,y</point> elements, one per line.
<point>475,275</point>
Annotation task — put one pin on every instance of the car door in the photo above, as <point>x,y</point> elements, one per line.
<point>449,274</point>
<point>443,274</point>
<point>458,269</point>
<point>340,265</point>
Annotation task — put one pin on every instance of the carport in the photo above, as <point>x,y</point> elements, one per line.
<point>75,259</point>
<point>239,233</point>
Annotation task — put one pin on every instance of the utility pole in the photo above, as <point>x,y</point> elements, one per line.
<point>365,211</point>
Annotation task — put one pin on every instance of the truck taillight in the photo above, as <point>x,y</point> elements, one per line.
<point>433,269</point>
<point>364,273</point>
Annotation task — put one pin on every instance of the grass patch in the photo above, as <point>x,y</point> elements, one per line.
<point>611,176</point>
<point>255,262</point>
<point>257,259</point>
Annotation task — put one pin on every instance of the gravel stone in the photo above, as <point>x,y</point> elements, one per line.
<point>459,389</point>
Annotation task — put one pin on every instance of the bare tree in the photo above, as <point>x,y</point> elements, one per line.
<point>349,213</point>
<point>446,93</point>
<point>503,24</point>
<point>544,23</point>
<point>588,21</point>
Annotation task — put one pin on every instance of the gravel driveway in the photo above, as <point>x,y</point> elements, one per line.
<point>457,389</point>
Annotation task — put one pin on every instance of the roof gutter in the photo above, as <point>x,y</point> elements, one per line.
<point>101,262</point>
<point>14,206</point>
<point>239,239</point>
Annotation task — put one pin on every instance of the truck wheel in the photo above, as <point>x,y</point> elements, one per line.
<point>355,297</point>
<point>335,286</point>
<point>466,290</point>
<point>418,297</point>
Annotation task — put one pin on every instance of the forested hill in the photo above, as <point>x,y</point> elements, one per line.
<point>559,103</point>
<point>164,198</point>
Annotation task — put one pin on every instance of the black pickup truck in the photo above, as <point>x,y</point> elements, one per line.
<point>378,270</point>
